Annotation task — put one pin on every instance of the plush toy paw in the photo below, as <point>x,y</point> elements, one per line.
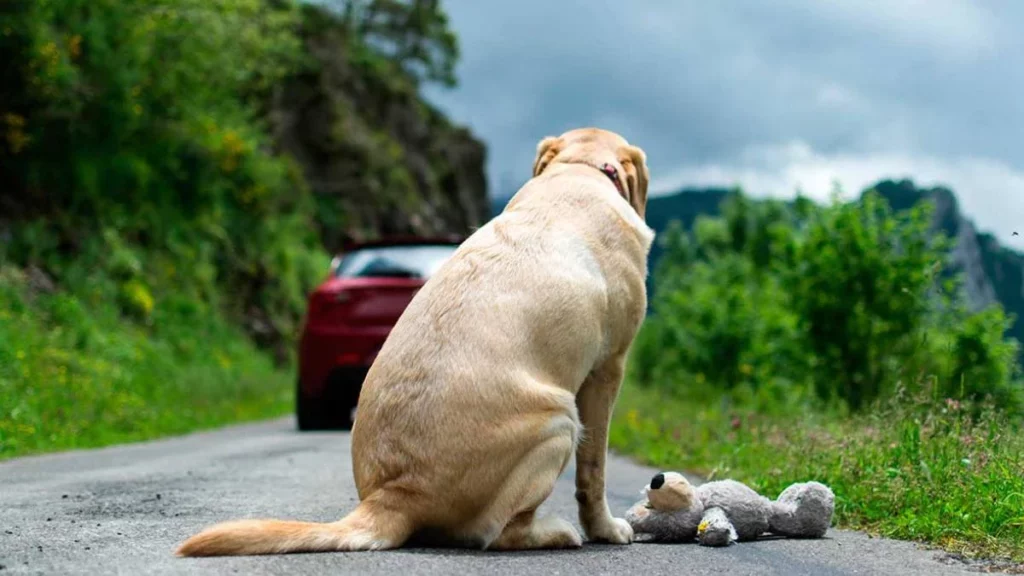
<point>716,529</point>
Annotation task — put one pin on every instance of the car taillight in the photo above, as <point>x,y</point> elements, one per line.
<point>349,359</point>
<point>328,302</point>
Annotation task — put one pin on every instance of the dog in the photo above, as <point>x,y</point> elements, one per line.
<point>507,362</point>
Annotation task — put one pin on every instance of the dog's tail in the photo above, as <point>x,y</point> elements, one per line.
<point>368,527</point>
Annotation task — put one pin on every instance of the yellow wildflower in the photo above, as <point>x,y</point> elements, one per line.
<point>75,46</point>
<point>633,417</point>
<point>15,133</point>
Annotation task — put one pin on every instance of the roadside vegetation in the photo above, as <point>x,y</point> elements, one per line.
<point>76,375</point>
<point>798,341</point>
<point>161,225</point>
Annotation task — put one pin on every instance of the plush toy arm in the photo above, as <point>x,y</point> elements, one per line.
<point>647,523</point>
<point>651,524</point>
<point>715,529</point>
<point>639,516</point>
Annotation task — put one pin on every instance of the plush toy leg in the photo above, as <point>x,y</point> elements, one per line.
<point>715,529</point>
<point>803,510</point>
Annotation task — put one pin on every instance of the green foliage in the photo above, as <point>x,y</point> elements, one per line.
<point>166,123</point>
<point>74,374</point>
<point>774,301</point>
<point>140,120</point>
<point>160,198</point>
<point>859,279</point>
<point>943,473</point>
<point>411,34</point>
<point>797,341</point>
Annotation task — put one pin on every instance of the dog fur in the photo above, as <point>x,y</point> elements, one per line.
<point>506,363</point>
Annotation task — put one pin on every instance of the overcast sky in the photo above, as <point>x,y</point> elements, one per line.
<point>769,95</point>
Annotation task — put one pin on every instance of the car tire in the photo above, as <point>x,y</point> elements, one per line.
<point>320,413</point>
<point>309,412</point>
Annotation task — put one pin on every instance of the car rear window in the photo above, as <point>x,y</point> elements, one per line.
<point>394,261</point>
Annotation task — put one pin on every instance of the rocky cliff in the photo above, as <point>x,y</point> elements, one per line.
<point>991,272</point>
<point>379,158</point>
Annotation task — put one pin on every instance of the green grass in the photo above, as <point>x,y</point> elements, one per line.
<point>937,473</point>
<point>75,373</point>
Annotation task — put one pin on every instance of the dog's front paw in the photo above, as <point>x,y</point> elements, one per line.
<point>612,531</point>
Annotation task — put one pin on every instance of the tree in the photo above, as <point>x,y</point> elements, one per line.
<point>412,33</point>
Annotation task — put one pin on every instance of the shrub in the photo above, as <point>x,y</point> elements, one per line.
<point>141,120</point>
<point>844,300</point>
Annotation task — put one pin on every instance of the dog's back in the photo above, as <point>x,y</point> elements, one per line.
<point>469,413</point>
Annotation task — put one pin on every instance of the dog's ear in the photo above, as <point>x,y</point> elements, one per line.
<point>547,149</point>
<point>634,163</point>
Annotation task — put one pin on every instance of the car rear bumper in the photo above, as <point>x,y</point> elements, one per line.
<point>337,357</point>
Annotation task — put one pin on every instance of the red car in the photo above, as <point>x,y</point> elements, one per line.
<point>350,315</point>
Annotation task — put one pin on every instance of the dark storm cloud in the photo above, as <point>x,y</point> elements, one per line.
<point>701,83</point>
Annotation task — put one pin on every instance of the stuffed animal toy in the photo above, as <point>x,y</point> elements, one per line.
<point>726,511</point>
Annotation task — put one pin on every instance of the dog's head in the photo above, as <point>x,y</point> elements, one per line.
<point>605,151</point>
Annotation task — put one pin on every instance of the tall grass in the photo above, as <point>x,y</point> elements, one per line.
<point>77,374</point>
<point>946,473</point>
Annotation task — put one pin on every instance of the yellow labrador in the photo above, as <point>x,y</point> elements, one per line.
<point>507,362</point>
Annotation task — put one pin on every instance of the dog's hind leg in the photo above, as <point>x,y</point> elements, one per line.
<point>511,522</point>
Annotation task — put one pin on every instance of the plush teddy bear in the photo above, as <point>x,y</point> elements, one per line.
<point>725,511</point>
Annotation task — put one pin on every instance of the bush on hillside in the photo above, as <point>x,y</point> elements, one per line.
<point>134,160</point>
<point>214,147</point>
<point>841,303</point>
<point>170,172</point>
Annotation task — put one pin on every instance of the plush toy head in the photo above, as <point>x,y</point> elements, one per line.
<point>670,491</point>
<point>670,512</point>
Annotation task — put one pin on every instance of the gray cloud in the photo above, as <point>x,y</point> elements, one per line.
<point>699,83</point>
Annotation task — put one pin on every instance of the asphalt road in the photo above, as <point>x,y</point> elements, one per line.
<point>122,510</point>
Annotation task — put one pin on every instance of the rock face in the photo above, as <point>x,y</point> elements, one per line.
<point>967,254</point>
<point>991,273</point>
<point>379,158</point>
